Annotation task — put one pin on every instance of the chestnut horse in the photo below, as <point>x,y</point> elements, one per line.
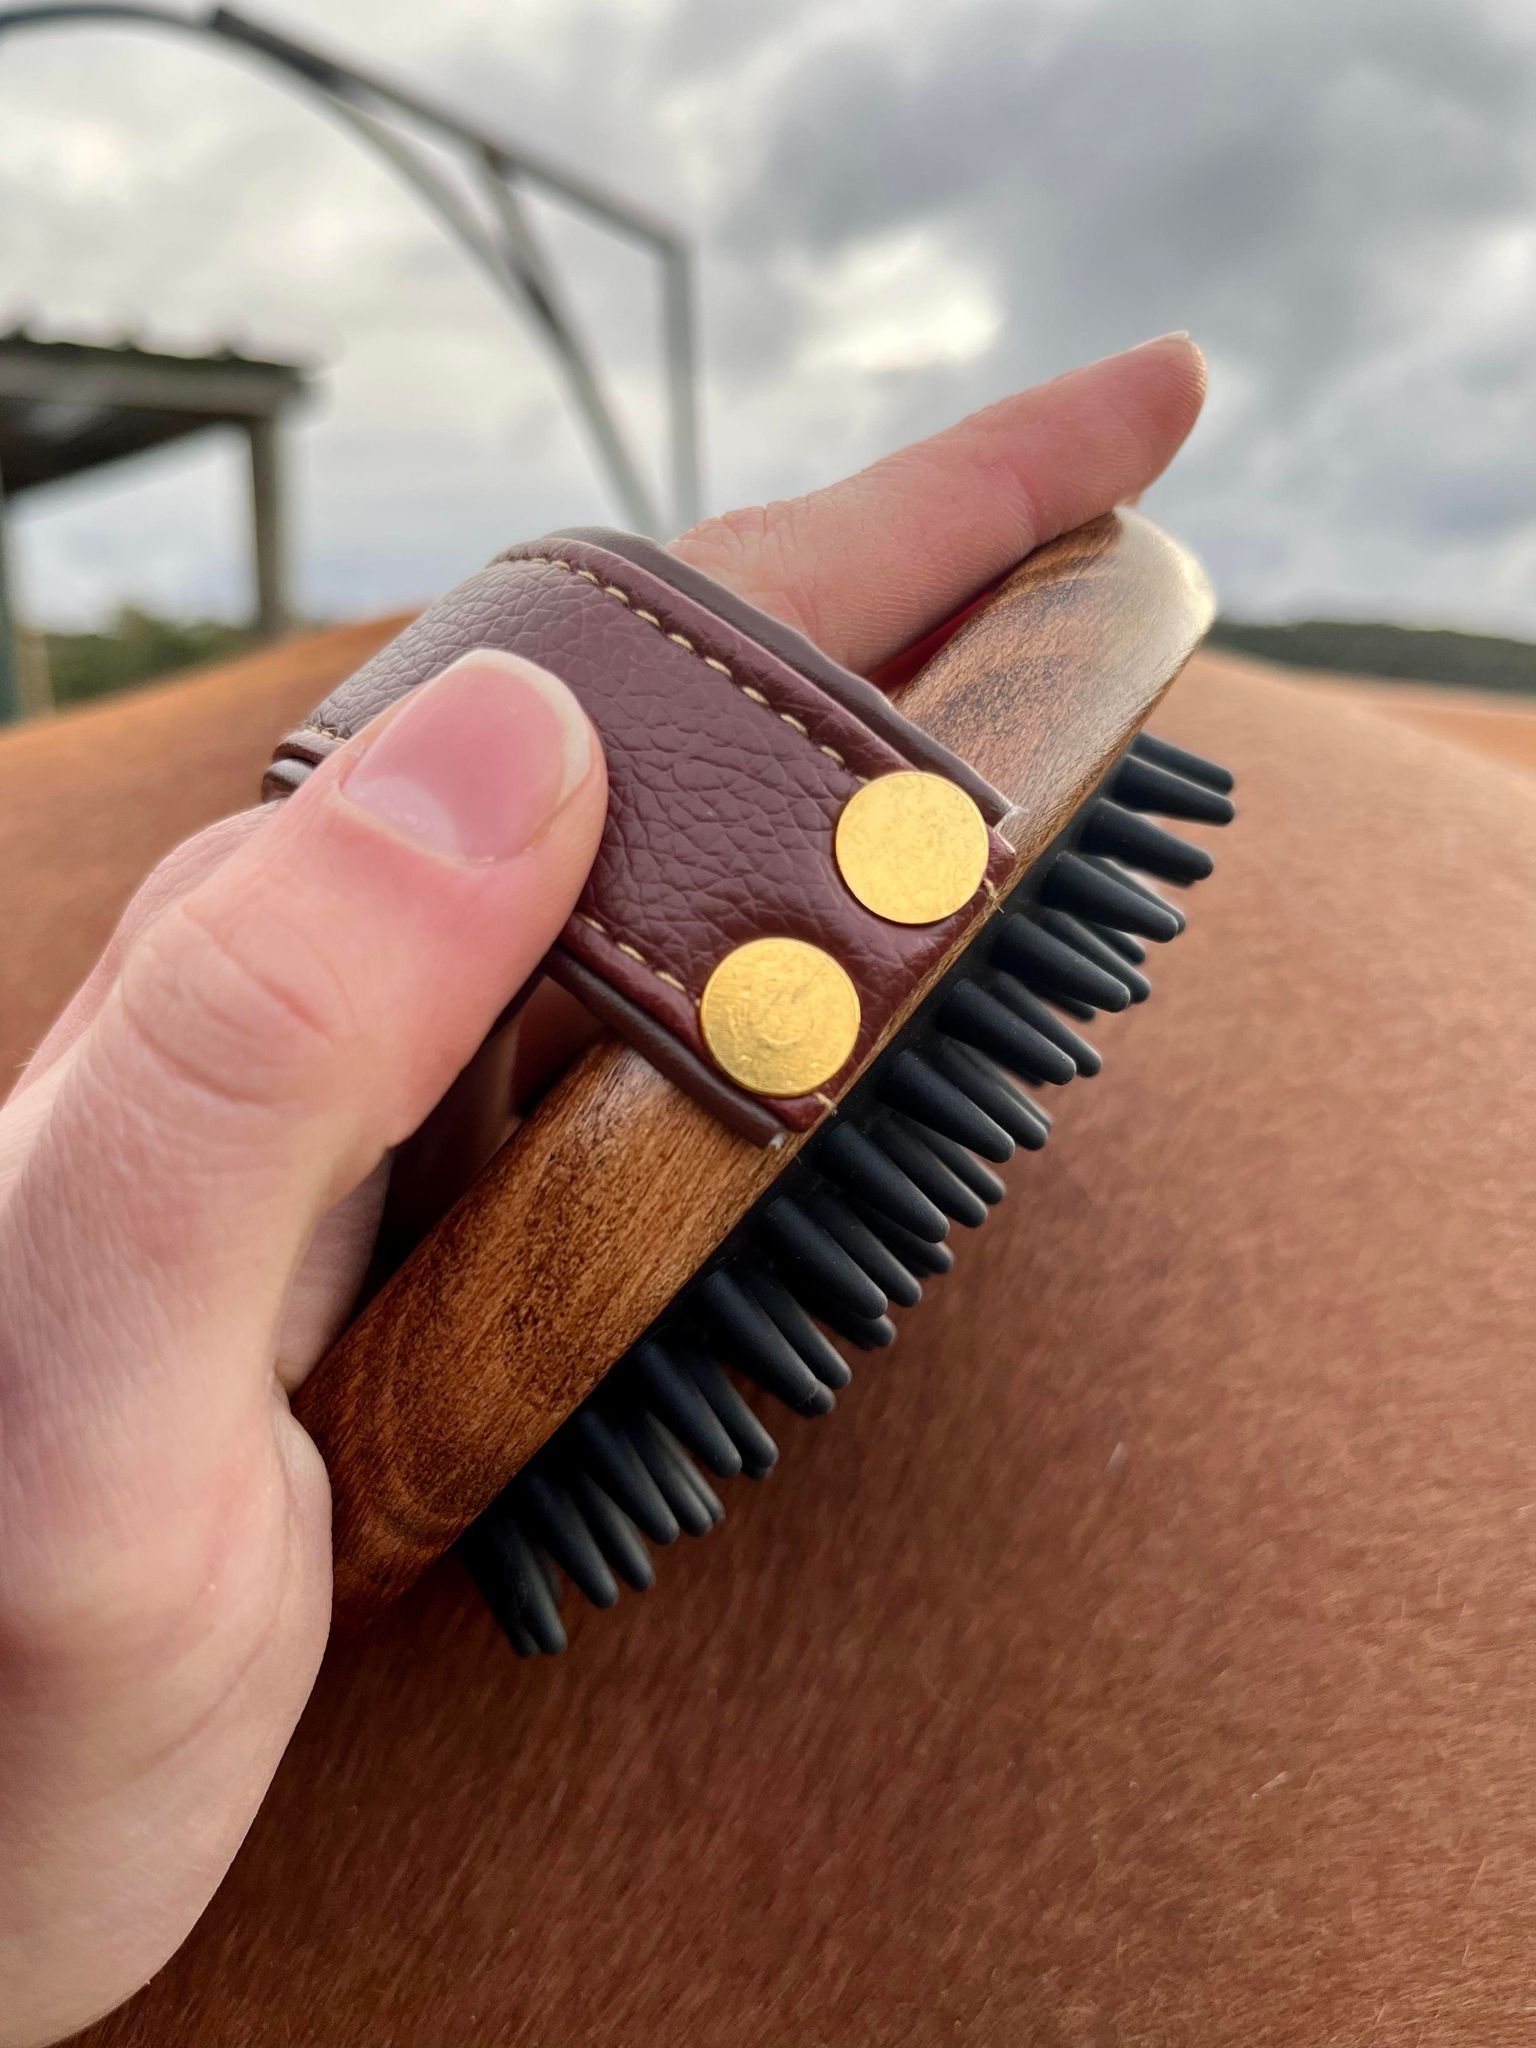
<point>1145,1653</point>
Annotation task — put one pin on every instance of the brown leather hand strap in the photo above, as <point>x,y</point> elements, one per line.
<point>734,748</point>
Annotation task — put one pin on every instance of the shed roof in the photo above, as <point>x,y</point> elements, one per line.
<point>70,406</point>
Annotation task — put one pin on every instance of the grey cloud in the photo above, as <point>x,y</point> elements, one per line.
<point>1309,190</point>
<point>1340,201</point>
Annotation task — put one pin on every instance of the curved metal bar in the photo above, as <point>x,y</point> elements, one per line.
<point>93,10</point>
<point>535,297</point>
<point>513,261</point>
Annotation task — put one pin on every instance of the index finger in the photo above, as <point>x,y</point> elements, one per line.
<point>868,565</point>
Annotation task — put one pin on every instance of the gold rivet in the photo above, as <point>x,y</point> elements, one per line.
<point>779,1016</point>
<point>912,847</point>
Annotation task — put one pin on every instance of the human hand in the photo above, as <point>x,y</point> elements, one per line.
<point>190,1178</point>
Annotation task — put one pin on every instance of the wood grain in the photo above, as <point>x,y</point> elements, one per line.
<point>1041,688</point>
<point>618,1188</point>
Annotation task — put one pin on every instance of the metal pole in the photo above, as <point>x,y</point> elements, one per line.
<point>517,267</point>
<point>11,695</point>
<point>680,343</point>
<point>515,263</point>
<point>268,532</point>
<point>522,270</point>
<point>525,259</point>
<point>345,79</point>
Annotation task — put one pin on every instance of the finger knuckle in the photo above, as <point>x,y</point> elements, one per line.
<point>758,549</point>
<point>179,871</point>
<point>242,1009</point>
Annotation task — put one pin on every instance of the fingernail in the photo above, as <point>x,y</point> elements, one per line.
<point>478,761</point>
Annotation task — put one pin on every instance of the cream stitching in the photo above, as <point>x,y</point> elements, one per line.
<point>681,640</point>
<point>632,953</point>
<point>721,668</point>
<point>710,661</point>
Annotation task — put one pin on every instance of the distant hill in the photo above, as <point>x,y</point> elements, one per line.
<point>137,647</point>
<point>1468,661</point>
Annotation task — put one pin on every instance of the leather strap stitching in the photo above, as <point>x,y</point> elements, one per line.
<point>632,953</point>
<point>662,974</point>
<point>709,660</point>
<point>723,668</point>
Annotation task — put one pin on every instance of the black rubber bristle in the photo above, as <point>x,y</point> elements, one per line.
<point>615,1534</point>
<point>1083,1012</point>
<point>515,1584</point>
<point>1025,1121</point>
<point>757,1449</point>
<point>549,1514</point>
<point>978,1018</point>
<point>1039,1017</point>
<point>1052,967</point>
<point>1114,872</point>
<point>934,1260</point>
<point>983,1183</point>
<point>896,1281</point>
<point>692,1500</point>
<point>857,1222</point>
<point>1141,785</point>
<point>1086,888</point>
<point>872,1335</point>
<point>1148,747</point>
<point>915,1086</point>
<point>915,1153</point>
<point>756,1345</point>
<point>1094,944</point>
<point>1128,836</point>
<point>805,1252</point>
<point>616,1465</point>
<point>1130,949</point>
<point>847,1156</point>
<point>819,1354</point>
<point>663,1382</point>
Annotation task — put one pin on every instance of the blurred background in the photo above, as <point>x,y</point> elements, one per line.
<point>895,212</point>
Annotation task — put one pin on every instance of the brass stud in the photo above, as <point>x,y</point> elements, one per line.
<point>912,847</point>
<point>779,1016</point>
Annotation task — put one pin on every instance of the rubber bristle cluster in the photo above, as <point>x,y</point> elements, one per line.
<point>857,1224</point>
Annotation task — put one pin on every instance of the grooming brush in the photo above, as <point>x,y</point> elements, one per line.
<point>858,1221</point>
<point>844,938</point>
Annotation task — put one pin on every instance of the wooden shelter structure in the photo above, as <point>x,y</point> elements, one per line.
<point>70,406</point>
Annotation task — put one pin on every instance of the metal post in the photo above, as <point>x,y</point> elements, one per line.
<point>11,694</point>
<point>680,340</point>
<point>526,266</point>
<point>511,258</point>
<point>268,535</point>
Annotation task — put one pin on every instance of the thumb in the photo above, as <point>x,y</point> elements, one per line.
<point>297,1013</point>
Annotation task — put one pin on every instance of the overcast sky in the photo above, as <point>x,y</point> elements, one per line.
<point>901,209</point>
